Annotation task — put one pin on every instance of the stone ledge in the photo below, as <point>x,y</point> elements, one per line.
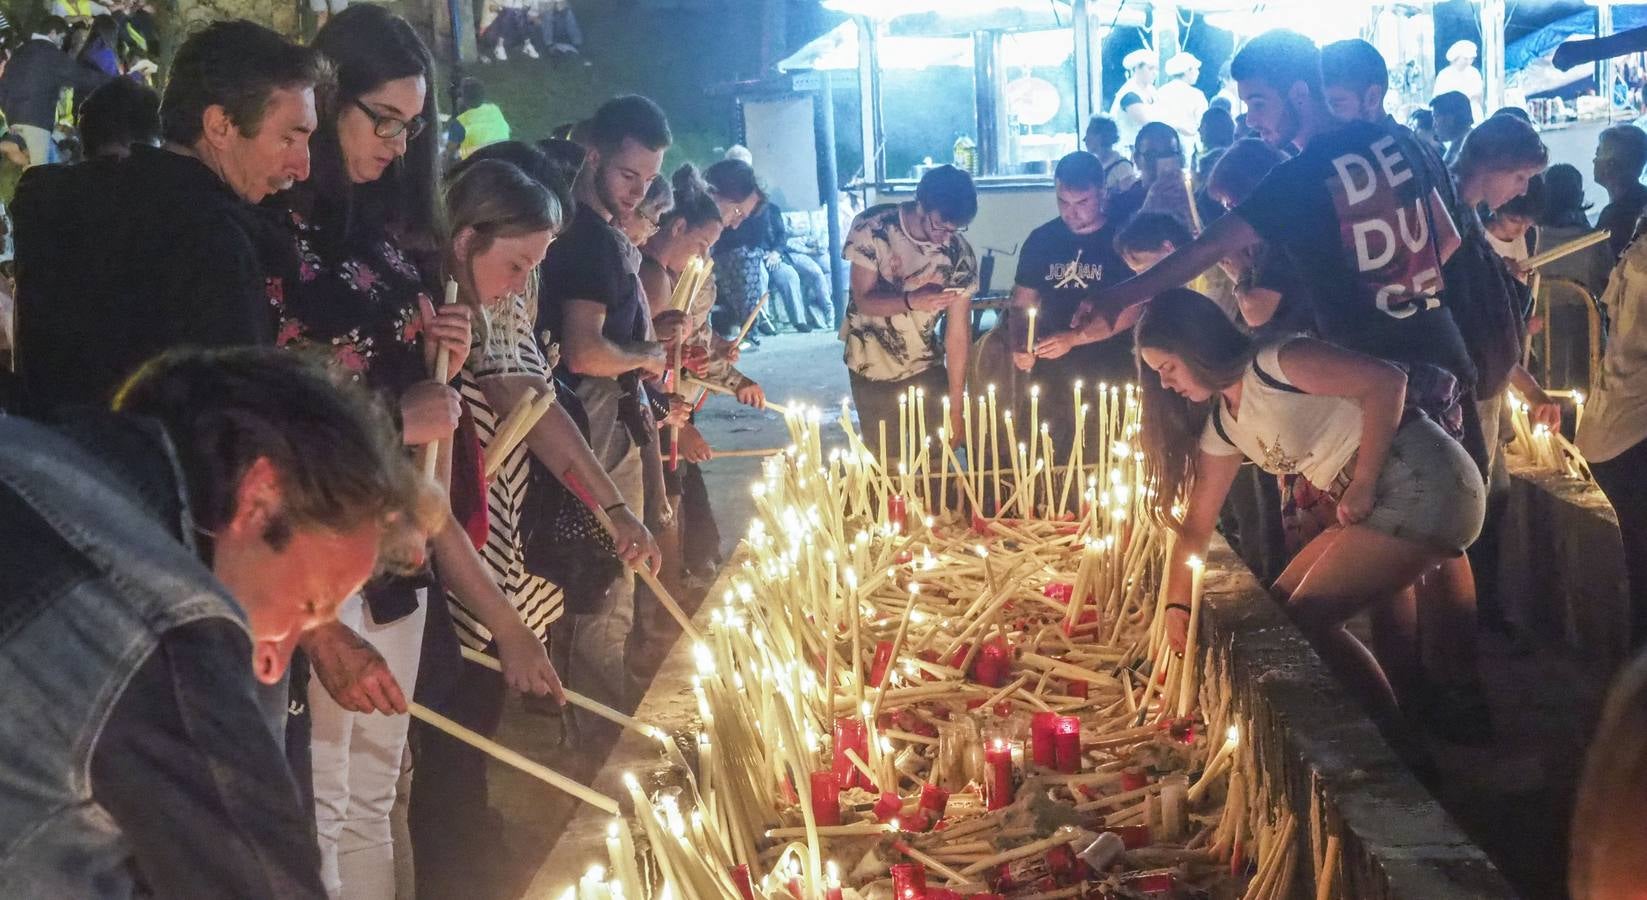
<point>1561,560</point>
<point>1312,741</point>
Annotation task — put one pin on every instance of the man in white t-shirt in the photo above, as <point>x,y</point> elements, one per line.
<point>910,267</point>
<point>1179,102</point>
<point>1134,105</point>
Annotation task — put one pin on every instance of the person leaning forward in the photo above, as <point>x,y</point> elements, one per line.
<point>160,562</point>
<point>121,260</point>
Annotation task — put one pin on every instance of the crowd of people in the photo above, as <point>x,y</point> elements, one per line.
<point>243,418</point>
<point>216,456</point>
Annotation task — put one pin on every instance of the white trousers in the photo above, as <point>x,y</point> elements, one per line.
<point>357,763</point>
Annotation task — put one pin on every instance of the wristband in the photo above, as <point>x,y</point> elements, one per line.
<point>906,302</point>
<point>1181,606</point>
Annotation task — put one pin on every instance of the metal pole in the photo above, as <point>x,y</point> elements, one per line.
<point>829,184</point>
<point>1086,98</point>
<point>1492,54</point>
<point>1605,67</point>
<point>869,101</point>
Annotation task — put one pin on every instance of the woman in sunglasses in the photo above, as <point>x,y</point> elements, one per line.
<point>365,295</point>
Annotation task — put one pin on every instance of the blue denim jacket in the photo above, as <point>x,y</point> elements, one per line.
<point>105,578</point>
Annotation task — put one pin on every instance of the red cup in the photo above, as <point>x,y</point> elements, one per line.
<point>909,881</point>
<point>826,798</point>
<point>1066,744</point>
<point>998,771</point>
<point>1041,726</point>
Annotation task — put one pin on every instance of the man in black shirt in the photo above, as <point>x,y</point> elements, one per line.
<point>591,305</point>
<point>160,562</point>
<point>1062,263</point>
<point>1363,221</point>
<point>1621,153</point>
<point>120,260</point>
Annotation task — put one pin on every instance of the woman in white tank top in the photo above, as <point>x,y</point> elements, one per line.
<point>1214,397</point>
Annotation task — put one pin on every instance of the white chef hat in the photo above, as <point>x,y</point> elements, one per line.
<point>1461,50</point>
<point>1137,58</point>
<point>1181,63</point>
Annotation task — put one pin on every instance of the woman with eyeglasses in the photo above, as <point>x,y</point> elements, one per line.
<point>366,227</point>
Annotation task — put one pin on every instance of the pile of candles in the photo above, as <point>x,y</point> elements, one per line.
<point>1544,448</point>
<point>906,691</point>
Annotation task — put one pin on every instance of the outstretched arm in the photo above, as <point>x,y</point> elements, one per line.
<point>1101,317</point>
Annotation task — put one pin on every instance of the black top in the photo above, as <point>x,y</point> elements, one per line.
<point>1121,206</point>
<point>1352,210</point>
<point>355,301</point>
<point>1621,215</point>
<point>120,261</point>
<point>590,261</point>
<point>762,230</point>
<point>1274,270</point>
<point>1064,268</point>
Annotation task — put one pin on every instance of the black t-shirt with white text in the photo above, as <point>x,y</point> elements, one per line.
<point>1064,268</point>
<point>1352,210</point>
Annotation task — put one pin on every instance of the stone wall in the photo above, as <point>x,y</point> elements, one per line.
<point>1563,567</point>
<point>1316,749</point>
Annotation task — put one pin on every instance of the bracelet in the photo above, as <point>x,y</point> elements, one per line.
<point>906,302</point>
<point>1181,606</point>
<point>618,505</point>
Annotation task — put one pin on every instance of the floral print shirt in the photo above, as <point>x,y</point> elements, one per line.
<point>357,303</point>
<point>892,348</point>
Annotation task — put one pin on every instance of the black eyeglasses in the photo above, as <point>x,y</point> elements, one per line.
<point>388,127</point>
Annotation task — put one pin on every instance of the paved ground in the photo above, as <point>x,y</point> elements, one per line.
<point>1513,798</point>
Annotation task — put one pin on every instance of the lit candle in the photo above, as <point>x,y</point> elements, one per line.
<point>832,890</point>
<point>1066,744</point>
<point>826,798</point>
<point>1030,347</point>
<point>620,853</point>
<point>998,771</point>
<point>593,884</point>
<point>850,734</point>
<point>897,513</point>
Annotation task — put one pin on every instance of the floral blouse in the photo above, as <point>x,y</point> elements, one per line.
<point>356,302</point>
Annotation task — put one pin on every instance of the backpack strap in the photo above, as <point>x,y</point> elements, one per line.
<point>1218,423</point>
<point>1272,381</point>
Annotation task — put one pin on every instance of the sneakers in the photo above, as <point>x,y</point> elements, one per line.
<point>500,55</point>
<point>530,51</point>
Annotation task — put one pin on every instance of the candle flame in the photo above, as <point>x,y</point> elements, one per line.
<point>613,829</point>
<point>596,872</point>
<point>1194,562</point>
<point>1233,735</point>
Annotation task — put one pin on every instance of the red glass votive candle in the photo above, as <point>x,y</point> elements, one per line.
<point>934,800</point>
<point>909,881</point>
<point>1066,744</point>
<point>1159,883</point>
<point>897,512</point>
<point>992,664</point>
<point>1041,727</point>
<point>1077,688</point>
<point>740,878</point>
<point>1133,778</point>
<point>888,807</point>
<point>850,734</point>
<point>1060,591</point>
<point>826,798</point>
<point>998,771</point>
<point>882,660</point>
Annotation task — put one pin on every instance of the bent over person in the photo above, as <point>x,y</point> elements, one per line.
<point>159,562</point>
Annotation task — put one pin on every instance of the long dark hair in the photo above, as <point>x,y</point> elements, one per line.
<point>1216,353</point>
<point>1564,205</point>
<point>369,47</point>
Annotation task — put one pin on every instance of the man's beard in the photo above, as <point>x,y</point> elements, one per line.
<point>614,208</point>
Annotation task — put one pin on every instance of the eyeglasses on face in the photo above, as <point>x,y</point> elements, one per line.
<point>388,127</point>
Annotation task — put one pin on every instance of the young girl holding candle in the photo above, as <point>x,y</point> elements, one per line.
<point>687,232</point>
<point>501,222</point>
<point>1411,497</point>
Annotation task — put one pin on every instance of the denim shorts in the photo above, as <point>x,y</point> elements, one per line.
<point>1429,490</point>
